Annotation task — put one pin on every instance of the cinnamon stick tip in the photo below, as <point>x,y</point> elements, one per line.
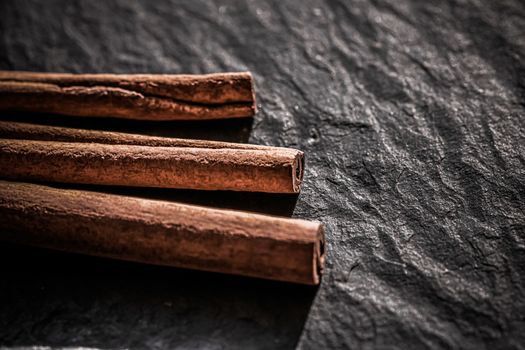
<point>298,171</point>
<point>319,255</point>
<point>252,89</point>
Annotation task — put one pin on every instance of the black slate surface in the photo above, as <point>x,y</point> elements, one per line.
<point>412,117</point>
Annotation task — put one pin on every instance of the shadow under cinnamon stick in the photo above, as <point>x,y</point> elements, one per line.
<point>228,130</point>
<point>279,204</point>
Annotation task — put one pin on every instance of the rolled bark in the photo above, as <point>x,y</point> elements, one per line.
<point>130,96</point>
<point>37,132</point>
<point>273,170</point>
<point>162,233</point>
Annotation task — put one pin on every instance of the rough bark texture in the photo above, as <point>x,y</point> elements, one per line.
<point>273,170</point>
<point>37,132</point>
<point>411,114</point>
<point>136,96</point>
<point>162,233</point>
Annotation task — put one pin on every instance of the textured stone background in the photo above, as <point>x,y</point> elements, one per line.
<point>412,117</point>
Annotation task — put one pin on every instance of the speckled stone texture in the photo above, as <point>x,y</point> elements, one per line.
<point>411,114</point>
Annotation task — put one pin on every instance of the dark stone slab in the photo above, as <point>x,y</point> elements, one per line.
<point>412,117</point>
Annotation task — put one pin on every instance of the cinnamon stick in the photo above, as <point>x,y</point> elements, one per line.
<point>162,233</point>
<point>130,96</point>
<point>271,169</point>
<point>37,132</point>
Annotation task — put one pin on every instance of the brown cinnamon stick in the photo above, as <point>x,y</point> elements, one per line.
<point>162,233</point>
<point>273,169</point>
<point>37,132</point>
<point>130,96</point>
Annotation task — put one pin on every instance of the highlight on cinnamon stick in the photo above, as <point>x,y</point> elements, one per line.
<point>37,132</point>
<point>270,169</point>
<point>130,96</point>
<point>162,233</point>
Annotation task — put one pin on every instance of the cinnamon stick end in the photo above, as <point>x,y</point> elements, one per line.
<point>319,255</point>
<point>298,172</point>
<point>252,89</point>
